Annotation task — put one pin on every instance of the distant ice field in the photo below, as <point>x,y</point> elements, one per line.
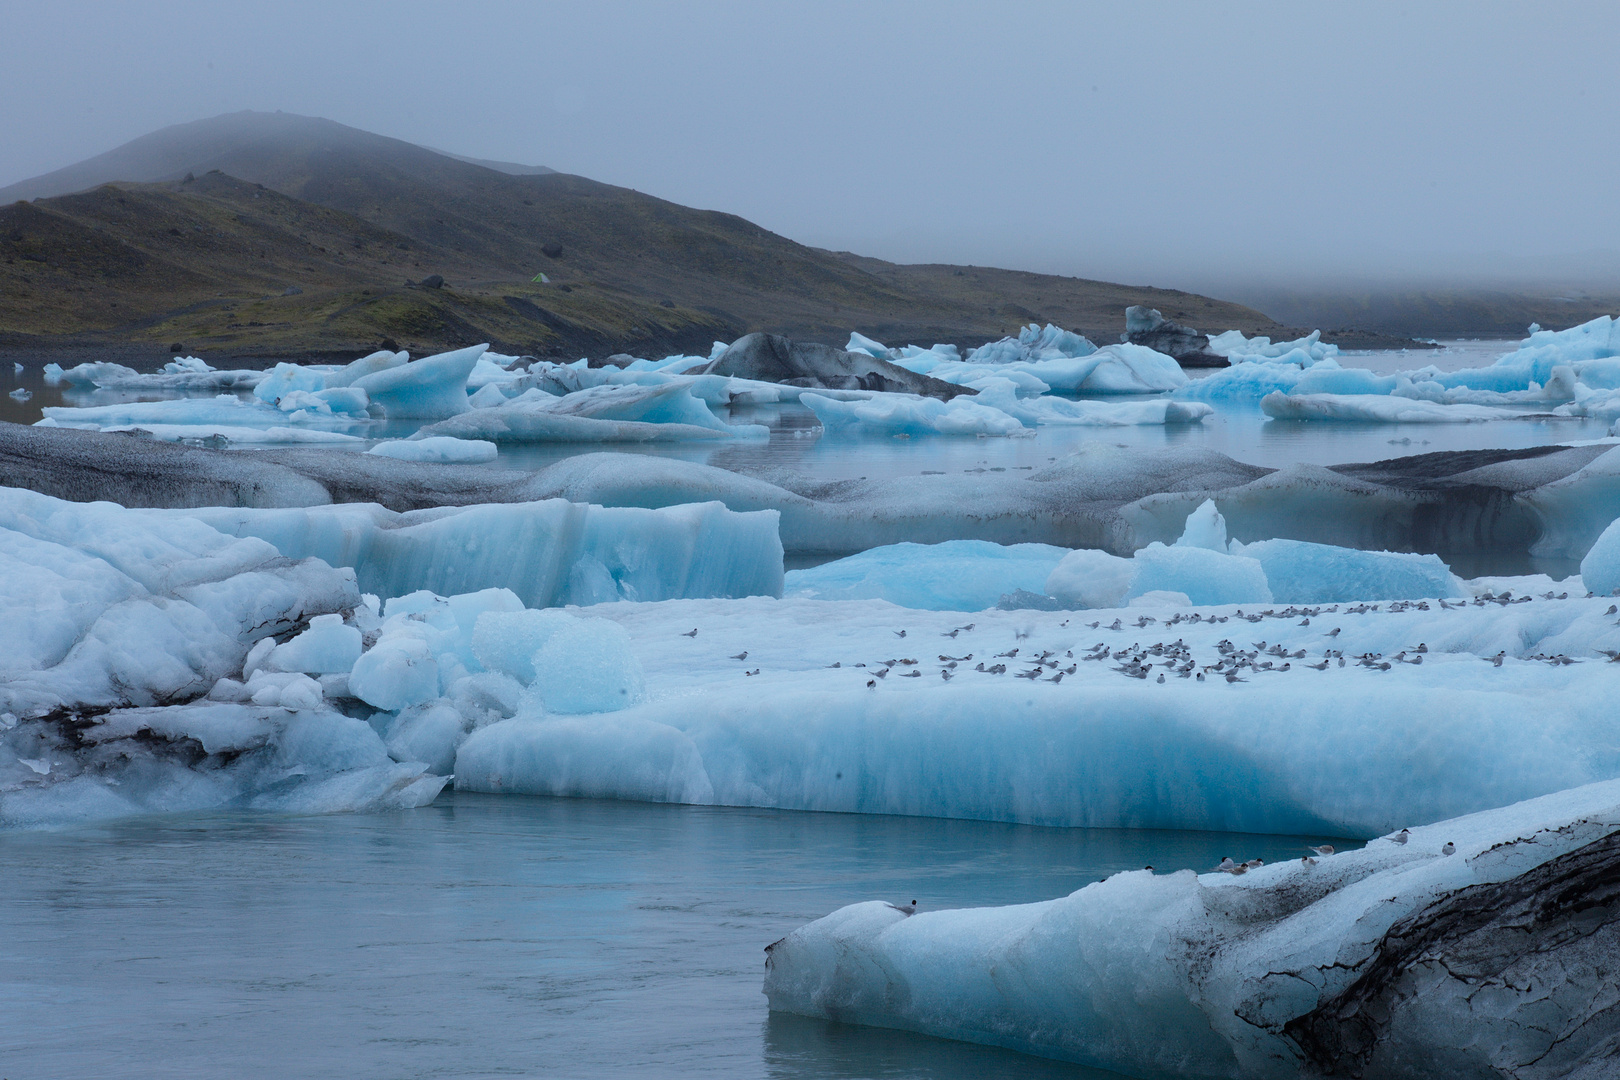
<point>1237,429</point>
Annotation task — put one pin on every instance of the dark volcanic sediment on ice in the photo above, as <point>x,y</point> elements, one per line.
<point>1459,505</point>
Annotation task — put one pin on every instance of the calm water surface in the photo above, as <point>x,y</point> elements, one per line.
<point>494,936</point>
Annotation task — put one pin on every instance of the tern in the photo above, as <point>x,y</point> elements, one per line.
<point>1403,836</point>
<point>741,656</point>
<point>690,633</point>
<point>1320,849</point>
<point>1449,849</point>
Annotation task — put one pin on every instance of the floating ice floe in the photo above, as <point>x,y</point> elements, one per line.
<point>1470,947</point>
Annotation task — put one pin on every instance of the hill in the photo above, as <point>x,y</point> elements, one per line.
<point>266,233</point>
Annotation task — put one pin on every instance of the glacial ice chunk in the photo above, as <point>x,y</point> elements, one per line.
<point>588,666</point>
<point>903,414</point>
<point>1205,528</point>
<point>533,549</point>
<point>400,670</point>
<point>958,575</point>
<point>430,733</point>
<point>1377,409</point>
<point>1089,578</point>
<point>326,648</point>
<point>437,448</point>
<point>1600,569</point>
<point>1303,573</point>
<point>432,388</point>
<point>1205,576</point>
<point>506,641</point>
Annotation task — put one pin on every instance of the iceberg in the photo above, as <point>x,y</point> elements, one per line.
<point>1033,343</point>
<point>221,436</point>
<point>1113,369</point>
<point>432,388</point>
<point>900,414</point>
<point>1600,569</point>
<point>111,607</point>
<point>547,553</point>
<point>1304,351</point>
<point>183,758</point>
<point>117,623</point>
<point>822,705</point>
<point>958,575</point>
<point>624,413</point>
<point>1476,946</point>
<point>223,413</point>
<point>1377,409</point>
<point>1298,572</point>
<point>184,373</point>
<point>1206,568</point>
<point>996,410</point>
<point>436,448</point>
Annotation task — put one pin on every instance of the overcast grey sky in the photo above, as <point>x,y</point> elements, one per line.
<point>1184,144</point>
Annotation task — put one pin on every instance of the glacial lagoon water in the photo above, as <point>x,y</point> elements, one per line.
<point>495,936</point>
<point>504,936</point>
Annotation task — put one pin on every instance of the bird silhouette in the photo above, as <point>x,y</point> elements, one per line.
<point>690,633</point>
<point>741,656</point>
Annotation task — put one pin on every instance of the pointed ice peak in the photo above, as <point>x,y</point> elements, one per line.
<point>1205,528</point>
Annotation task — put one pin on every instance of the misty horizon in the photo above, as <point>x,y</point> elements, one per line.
<point>1228,153</point>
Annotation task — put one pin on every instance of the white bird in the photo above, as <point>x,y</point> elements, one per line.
<point>690,633</point>
<point>1403,836</point>
<point>906,909</point>
<point>1320,849</point>
<point>1307,860</point>
<point>1227,866</point>
<point>1449,849</point>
